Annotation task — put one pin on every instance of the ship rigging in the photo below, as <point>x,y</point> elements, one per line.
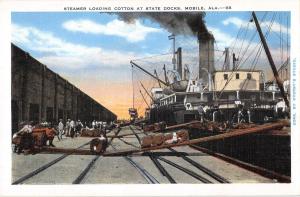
<point>232,94</point>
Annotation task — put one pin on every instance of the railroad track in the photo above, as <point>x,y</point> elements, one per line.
<point>207,171</point>
<point>156,160</point>
<point>196,169</point>
<point>144,173</point>
<point>80,178</point>
<point>136,135</point>
<point>45,166</point>
<point>51,163</point>
<point>83,174</point>
<point>250,167</point>
<point>162,170</point>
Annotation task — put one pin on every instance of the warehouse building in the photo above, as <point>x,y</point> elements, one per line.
<point>39,94</point>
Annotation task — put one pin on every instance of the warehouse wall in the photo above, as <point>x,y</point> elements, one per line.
<point>39,94</point>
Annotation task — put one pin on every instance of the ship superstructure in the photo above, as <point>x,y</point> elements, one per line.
<point>230,95</point>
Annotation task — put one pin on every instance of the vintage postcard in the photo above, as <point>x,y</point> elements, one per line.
<point>106,98</point>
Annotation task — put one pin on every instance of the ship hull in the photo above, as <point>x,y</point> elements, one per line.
<point>179,116</point>
<point>248,106</point>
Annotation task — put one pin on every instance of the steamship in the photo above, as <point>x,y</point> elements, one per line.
<point>231,94</point>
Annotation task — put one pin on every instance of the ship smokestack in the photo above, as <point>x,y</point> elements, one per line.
<point>206,55</point>
<point>226,66</point>
<point>179,62</point>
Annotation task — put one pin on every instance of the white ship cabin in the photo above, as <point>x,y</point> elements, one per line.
<point>237,80</point>
<point>157,93</point>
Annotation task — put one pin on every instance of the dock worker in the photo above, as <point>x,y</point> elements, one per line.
<point>60,129</point>
<point>79,126</point>
<point>99,125</point>
<point>281,108</point>
<point>23,138</point>
<point>103,139</point>
<point>201,112</point>
<point>98,145</point>
<point>72,128</point>
<point>67,128</point>
<point>174,139</point>
<point>27,128</point>
<point>50,133</point>
<point>94,124</point>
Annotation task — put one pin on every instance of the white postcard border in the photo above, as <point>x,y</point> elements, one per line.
<point>6,7</point>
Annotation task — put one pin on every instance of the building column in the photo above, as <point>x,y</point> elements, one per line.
<point>24,104</point>
<point>42,106</point>
<point>65,102</point>
<point>55,99</point>
<point>72,102</point>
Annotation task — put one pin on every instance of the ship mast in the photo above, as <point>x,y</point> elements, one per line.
<point>157,77</point>
<point>161,81</point>
<point>132,111</point>
<point>165,74</point>
<point>132,87</point>
<point>147,92</point>
<point>271,61</point>
<point>144,99</point>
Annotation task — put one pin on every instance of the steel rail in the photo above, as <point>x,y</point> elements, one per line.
<point>45,166</point>
<point>142,171</point>
<point>155,160</point>
<point>145,174</point>
<point>138,138</point>
<point>136,135</point>
<point>128,143</point>
<point>162,170</point>
<point>81,176</point>
<point>187,171</point>
<point>203,168</point>
<point>197,165</point>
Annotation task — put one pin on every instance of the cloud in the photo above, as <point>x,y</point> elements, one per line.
<point>233,20</point>
<point>59,53</point>
<point>223,39</point>
<point>244,50</point>
<point>276,27</point>
<point>132,32</point>
<point>92,69</point>
<point>277,54</point>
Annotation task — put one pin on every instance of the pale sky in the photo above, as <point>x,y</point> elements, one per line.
<point>93,50</point>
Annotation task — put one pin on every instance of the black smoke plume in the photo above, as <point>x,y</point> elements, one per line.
<point>178,23</point>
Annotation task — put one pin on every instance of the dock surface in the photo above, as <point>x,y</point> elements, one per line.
<point>159,166</point>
